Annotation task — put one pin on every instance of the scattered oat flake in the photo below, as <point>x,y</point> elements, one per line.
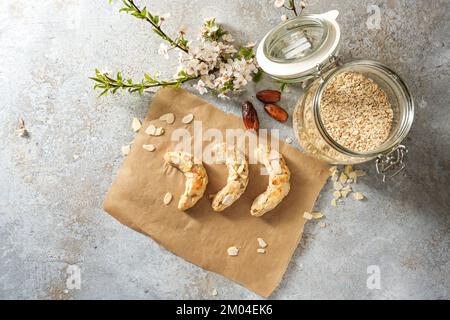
<point>260,250</point>
<point>136,124</point>
<point>334,202</point>
<point>214,292</point>
<point>261,243</point>
<point>342,178</point>
<point>348,169</point>
<point>167,198</point>
<point>289,140</point>
<point>125,150</point>
<point>307,215</point>
<point>360,173</point>
<point>149,147</point>
<point>233,251</point>
<point>337,194</point>
<point>188,118</point>
<point>358,196</point>
<point>317,214</point>
<point>337,186</point>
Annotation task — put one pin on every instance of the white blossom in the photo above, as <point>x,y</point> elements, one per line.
<point>279,3</point>
<point>200,86</point>
<point>227,37</point>
<point>163,50</point>
<point>284,17</point>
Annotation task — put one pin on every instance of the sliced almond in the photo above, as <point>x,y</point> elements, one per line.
<point>154,131</point>
<point>136,124</point>
<point>233,251</point>
<point>167,198</point>
<point>260,250</point>
<point>187,118</point>
<point>261,242</point>
<point>168,117</point>
<point>358,196</point>
<point>125,150</point>
<point>307,215</point>
<point>149,147</point>
<point>214,292</point>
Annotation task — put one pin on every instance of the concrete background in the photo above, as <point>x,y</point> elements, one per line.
<point>52,183</point>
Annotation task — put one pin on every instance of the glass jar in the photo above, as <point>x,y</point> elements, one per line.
<point>313,136</point>
<point>305,48</point>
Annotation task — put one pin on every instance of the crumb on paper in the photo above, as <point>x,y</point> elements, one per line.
<point>261,243</point>
<point>154,131</point>
<point>233,251</point>
<point>126,150</point>
<point>136,124</point>
<point>261,250</point>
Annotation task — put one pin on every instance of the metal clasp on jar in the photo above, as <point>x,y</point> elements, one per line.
<point>391,164</point>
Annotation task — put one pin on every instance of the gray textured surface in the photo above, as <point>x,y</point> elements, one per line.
<point>52,184</point>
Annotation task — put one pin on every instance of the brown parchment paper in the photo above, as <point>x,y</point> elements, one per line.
<point>200,235</point>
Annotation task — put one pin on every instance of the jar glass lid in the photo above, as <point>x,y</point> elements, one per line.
<point>294,49</point>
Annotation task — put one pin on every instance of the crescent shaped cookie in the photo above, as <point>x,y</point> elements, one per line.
<point>196,177</point>
<point>237,176</point>
<point>279,176</point>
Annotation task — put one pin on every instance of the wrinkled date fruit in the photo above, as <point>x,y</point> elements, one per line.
<point>250,116</point>
<point>276,112</point>
<point>269,96</point>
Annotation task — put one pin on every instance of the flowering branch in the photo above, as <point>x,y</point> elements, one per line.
<point>156,21</point>
<point>217,64</point>
<point>290,6</point>
<point>107,83</point>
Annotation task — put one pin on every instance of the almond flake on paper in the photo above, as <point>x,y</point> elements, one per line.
<point>337,194</point>
<point>214,292</point>
<point>261,243</point>
<point>169,118</point>
<point>260,250</point>
<point>187,118</point>
<point>307,215</point>
<point>149,147</point>
<point>167,198</point>
<point>317,214</point>
<point>233,251</point>
<point>21,130</point>
<point>154,131</point>
<point>343,178</point>
<point>136,124</point>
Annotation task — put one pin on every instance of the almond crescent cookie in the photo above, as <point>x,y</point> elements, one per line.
<point>237,176</point>
<point>279,176</point>
<point>196,177</point>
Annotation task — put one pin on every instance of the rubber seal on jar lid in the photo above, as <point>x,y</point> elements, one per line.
<point>294,49</point>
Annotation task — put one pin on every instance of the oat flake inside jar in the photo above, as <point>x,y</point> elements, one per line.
<point>351,112</point>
